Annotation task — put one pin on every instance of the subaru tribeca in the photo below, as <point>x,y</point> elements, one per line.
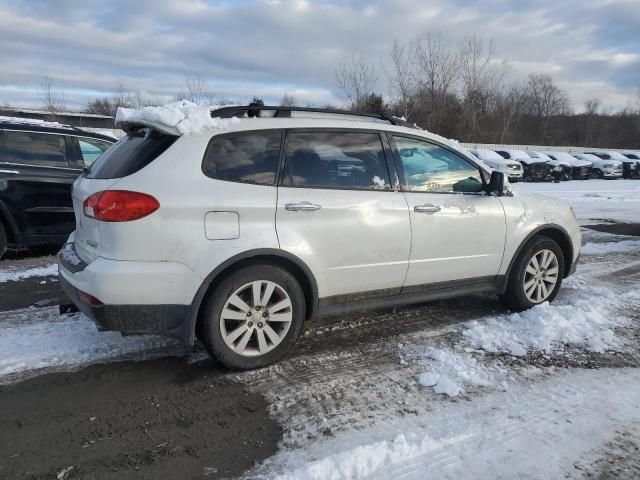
<point>238,233</point>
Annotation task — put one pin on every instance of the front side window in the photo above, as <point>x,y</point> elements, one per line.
<point>433,169</point>
<point>349,160</point>
<point>30,148</point>
<point>91,149</point>
<point>248,157</point>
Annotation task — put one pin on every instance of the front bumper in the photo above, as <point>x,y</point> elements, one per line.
<point>124,295</point>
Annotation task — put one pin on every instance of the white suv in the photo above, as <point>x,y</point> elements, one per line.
<point>238,232</point>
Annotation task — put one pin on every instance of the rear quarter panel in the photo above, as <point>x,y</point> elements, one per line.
<point>176,232</point>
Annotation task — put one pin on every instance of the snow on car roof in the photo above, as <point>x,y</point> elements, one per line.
<point>33,122</point>
<point>177,118</point>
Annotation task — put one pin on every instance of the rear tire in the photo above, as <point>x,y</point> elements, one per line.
<point>536,275</point>
<point>253,317</point>
<point>3,240</point>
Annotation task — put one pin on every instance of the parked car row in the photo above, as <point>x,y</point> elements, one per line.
<point>556,166</point>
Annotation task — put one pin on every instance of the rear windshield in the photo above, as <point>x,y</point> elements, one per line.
<point>131,153</point>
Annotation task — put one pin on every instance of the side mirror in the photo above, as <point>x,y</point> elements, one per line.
<point>496,183</point>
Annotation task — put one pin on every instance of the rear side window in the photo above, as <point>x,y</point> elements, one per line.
<point>30,148</point>
<point>131,153</point>
<point>91,149</point>
<point>350,160</point>
<point>248,157</point>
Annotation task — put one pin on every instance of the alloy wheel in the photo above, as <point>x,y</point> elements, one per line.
<point>256,318</point>
<point>541,276</point>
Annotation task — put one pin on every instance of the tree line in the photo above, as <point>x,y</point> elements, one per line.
<point>462,91</point>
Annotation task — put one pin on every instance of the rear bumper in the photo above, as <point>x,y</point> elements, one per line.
<point>134,297</point>
<point>168,320</point>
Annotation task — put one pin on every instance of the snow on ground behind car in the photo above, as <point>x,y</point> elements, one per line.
<point>41,338</point>
<point>617,200</point>
<point>15,274</point>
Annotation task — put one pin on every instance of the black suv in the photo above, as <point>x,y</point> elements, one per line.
<point>39,161</point>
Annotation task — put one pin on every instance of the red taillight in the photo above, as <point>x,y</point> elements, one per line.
<point>119,206</point>
<point>88,299</point>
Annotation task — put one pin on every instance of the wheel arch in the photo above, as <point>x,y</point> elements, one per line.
<point>554,232</point>
<point>290,262</point>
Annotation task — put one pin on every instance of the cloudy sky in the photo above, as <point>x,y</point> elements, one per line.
<point>267,47</point>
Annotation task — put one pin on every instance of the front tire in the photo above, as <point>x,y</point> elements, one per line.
<point>536,275</point>
<point>253,317</point>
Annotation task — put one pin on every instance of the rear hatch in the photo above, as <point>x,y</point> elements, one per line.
<point>129,155</point>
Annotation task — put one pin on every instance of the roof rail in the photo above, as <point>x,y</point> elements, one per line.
<point>256,110</point>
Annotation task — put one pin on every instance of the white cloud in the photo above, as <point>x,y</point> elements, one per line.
<point>267,47</point>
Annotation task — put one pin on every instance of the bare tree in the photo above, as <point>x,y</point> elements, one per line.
<point>100,106</point>
<point>287,100</point>
<point>52,96</point>
<point>545,100</point>
<point>436,72</point>
<point>402,75</point>
<point>591,110</point>
<point>480,77</point>
<point>509,103</point>
<point>356,80</point>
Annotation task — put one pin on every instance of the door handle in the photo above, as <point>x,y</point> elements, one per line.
<point>428,208</point>
<point>12,172</point>
<point>302,207</point>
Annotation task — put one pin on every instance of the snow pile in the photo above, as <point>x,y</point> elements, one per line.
<point>449,372</point>
<point>361,461</point>
<point>624,246</point>
<point>14,275</point>
<point>583,320</point>
<point>183,116</point>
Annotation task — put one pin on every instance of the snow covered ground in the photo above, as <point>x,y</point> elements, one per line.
<point>15,274</point>
<point>617,200</point>
<point>37,339</point>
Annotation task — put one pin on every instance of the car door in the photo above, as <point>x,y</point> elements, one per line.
<point>458,232</point>
<point>38,181</point>
<point>338,212</point>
